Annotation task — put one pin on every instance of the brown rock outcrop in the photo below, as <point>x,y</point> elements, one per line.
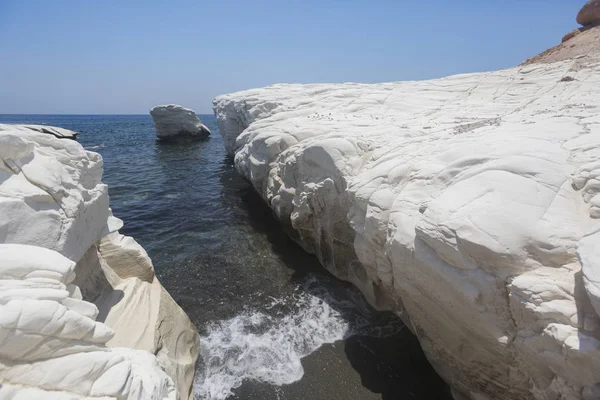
<point>589,13</point>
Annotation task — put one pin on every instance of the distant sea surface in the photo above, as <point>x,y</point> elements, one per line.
<point>274,324</point>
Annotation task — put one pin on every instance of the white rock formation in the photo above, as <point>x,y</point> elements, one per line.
<point>469,205</point>
<point>50,341</point>
<point>75,306</point>
<point>60,133</point>
<point>173,122</point>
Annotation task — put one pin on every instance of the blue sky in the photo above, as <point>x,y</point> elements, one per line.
<point>123,57</point>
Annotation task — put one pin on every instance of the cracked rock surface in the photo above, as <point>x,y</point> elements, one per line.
<point>469,205</point>
<point>82,314</point>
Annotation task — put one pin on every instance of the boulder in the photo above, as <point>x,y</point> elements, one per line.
<point>175,122</point>
<point>468,205</point>
<point>79,299</point>
<point>582,45</point>
<point>589,13</point>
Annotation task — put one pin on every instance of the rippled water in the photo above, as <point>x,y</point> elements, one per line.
<point>265,309</point>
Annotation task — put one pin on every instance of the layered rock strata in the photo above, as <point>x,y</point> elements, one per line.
<point>82,314</point>
<point>469,205</point>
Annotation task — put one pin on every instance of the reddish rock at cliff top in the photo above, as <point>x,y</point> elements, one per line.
<point>589,13</point>
<point>571,35</point>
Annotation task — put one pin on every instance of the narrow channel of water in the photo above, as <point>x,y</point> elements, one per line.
<point>274,324</point>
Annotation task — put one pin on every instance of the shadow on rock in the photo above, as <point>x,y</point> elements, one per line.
<point>395,366</point>
<point>388,359</point>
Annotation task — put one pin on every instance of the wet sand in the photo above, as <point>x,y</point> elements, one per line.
<point>359,368</point>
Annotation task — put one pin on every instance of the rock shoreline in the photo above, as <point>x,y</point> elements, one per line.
<point>468,205</point>
<point>60,133</point>
<point>82,313</point>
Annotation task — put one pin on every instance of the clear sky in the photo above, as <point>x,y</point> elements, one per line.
<point>125,56</point>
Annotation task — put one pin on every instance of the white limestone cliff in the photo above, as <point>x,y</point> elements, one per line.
<point>81,312</point>
<point>175,122</point>
<point>469,205</point>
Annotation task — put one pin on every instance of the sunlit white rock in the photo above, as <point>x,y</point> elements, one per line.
<point>84,290</point>
<point>60,133</point>
<point>466,204</point>
<point>49,338</point>
<point>51,193</point>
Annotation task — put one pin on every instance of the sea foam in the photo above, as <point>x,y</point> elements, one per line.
<point>269,348</point>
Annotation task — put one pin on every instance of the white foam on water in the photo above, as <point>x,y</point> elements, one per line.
<point>265,348</point>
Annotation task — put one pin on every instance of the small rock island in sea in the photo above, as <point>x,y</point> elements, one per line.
<point>174,122</point>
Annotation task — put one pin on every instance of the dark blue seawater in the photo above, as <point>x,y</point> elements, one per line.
<point>274,324</point>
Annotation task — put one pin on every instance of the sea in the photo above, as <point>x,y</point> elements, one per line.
<point>273,323</point>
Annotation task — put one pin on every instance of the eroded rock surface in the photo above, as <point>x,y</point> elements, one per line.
<point>175,122</point>
<point>51,342</point>
<point>60,133</point>
<point>82,314</point>
<point>469,205</point>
